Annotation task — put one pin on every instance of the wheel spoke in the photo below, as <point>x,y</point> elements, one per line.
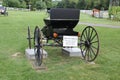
<point>84,49</point>
<point>82,44</point>
<point>82,41</point>
<point>83,52</point>
<point>88,33</point>
<point>86,53</point>
<point>90,54</point>
<point>94,47</point>
<point>93,37</point>
<point>93,51</point>
<point>95,42</point>
<point>91,34</point>
<point>84,36</point>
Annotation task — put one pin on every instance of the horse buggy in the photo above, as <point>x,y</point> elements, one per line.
<point>60,23</point>
<point>3,11</point>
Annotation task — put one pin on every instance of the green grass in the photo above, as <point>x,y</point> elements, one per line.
<point>13,34</point>
<point>87,18</point>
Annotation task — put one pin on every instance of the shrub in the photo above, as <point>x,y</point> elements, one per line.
<point>115,11</point>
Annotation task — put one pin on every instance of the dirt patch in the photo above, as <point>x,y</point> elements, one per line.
<point>17,54</point>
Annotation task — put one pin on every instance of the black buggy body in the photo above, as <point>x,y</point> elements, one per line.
<point>61,22</point>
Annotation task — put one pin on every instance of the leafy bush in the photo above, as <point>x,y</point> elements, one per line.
<point>13,3</point>
<point>115,11</point>
<point>40,5</point>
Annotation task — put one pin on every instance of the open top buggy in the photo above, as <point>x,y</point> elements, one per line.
<point>3,11</point>
<point>61,23</point>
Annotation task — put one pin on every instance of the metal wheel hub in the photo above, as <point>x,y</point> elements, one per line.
<point>87,44</point>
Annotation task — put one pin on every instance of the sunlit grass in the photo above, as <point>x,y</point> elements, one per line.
<point>90,19</point>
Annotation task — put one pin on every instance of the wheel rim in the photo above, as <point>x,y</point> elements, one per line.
<point>37,46</point>
<point>89,44</point>
<point>29,38</point>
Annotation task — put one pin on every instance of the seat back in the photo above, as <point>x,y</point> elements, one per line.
<point>62,13</point>
<point>64,18</point>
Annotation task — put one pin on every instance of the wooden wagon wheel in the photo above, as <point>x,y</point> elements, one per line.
<point>89,44</point>
<point>29,37</point>
<point>38,46</point>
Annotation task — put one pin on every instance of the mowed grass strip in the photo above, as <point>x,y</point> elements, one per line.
<point>13,34</point>
<point>87,18</point>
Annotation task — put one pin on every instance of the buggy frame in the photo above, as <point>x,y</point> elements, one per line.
<point>61,23</point>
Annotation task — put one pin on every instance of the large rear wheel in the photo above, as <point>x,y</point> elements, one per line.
<point>89,44</point>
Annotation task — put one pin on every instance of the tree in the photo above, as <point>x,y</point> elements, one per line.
<point>81,4</point>
<point>13,3</point>
<point>27,1</point>
<point>48,3</point>
<point>60,5</point>
<point>67,4</point>
<point>22,4</point>
<point>40,5</point>
<point>5,3</point>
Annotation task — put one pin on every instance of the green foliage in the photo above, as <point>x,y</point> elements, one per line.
<point>54,4</point>
<point>22,4</point>
<point>67,4</point>
<point>27,2</point>
<point>48,3</point>
<point>13,3</point>
<point>80,4</point>
<point>115,11</point>
<point>84,4</point>
<point>40,5</point>
<point>60,5</point>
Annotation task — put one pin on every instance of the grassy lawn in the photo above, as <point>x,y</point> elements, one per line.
<point>13,34</point>
<point>87,18</point>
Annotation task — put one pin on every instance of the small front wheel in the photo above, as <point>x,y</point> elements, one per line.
<point>38,46</point>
